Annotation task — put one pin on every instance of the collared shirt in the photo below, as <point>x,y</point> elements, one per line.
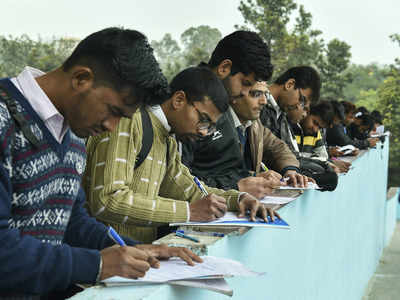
<point>41,104</point>
<point>237,122</point>
<point>160,115</point>
<point>275,105</point>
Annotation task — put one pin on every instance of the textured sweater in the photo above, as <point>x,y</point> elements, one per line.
<point>137,201</point>
<point>44,228</point>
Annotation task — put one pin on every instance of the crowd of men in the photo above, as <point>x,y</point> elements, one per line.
<point>104,140</point>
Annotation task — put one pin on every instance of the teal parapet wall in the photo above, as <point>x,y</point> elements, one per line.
<point>331,251</point>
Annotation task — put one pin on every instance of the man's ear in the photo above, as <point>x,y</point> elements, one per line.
<point>224,69</point>
<point>290,84</point>
<point>82,78</point>
<point>178,100</point>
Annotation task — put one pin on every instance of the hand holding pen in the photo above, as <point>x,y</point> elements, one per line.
<point>207,208</point>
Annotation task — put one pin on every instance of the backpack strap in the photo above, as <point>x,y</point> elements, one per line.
<point>147,137</point>
<point>19,118</point>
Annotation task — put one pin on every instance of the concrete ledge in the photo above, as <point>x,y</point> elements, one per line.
<point>330,252</point>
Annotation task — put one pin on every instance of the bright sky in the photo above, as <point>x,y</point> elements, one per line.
<point>364,24</point>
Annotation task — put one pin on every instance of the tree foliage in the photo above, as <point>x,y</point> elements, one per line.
<point>197,45</point>
<point>18,52</point>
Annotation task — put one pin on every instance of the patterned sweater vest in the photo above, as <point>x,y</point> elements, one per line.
<point>45,180</point>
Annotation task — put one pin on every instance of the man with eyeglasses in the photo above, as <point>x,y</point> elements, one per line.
<point>291,95</point>
<point>242,61</point>
<point>138,200</point>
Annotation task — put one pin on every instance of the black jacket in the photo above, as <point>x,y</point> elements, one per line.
<point>336,136</point>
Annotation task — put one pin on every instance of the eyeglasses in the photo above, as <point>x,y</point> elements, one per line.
<point>300,104</point>
<point>205,123</point>
<point>259,94</point>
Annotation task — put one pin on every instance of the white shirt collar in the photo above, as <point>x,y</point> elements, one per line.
<point>37,98</point>
<point>236,120</point>
<point>160,115</point>
<point>275,105</point>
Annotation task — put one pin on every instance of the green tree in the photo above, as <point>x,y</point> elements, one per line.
<point>332,68</point>
<point>18,52</point>
<point>169,55</point>
<point>389,104</point>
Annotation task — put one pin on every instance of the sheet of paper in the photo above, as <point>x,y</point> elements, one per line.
<point>380,129</point>
<point>310,186</point>
<point>231,219</point>
<point>276,200</point>
<point>216,285</point>
<point>348,149</point>
<point>176,269</point>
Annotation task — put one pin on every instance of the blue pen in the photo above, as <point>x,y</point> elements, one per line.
<point>180,234</point>
<point>201,187</point>
<point>208,233</point>
<point>115,236</point>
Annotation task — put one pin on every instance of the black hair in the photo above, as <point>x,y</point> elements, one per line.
<point>339,110</point>
<point>348,107</point>
<point>305,77</point>
<point>323,109</point>
<point>367,120</point>
<point>377,116</point>
<point>121,58</point>
<point>248,53</point>
<point>201,82</point>
<point>363,110</point>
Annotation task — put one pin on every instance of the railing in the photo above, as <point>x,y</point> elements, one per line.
<point>330,252</point>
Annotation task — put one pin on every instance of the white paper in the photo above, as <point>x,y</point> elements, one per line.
<point>380,129</point>
<point>230,219</point>
<point>348,149</point>
<point>310,186</point>
<point>277,200</point>
<point>177,269</point>
<point>216,285</point>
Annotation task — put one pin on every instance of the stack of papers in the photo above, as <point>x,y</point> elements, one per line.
<point>208,274</point>
<point>380,131</point>
<point>230,219</point>
<point>348,149</point>
<point>277,200</point>
<point>310,186</point>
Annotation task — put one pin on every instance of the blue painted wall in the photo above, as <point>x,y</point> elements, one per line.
<point>331,251</point>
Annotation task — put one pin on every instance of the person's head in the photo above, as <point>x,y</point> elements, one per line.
<point>361,110</point>
<point>364,122</point>
<point>349,110</point>
<point>321,116</point>
<point>198,98</point>
<point>296,84</point>
<point>339,112</point>
<point>241,59</point>
<point>248,107</point>
<point>377,117</point>
<point>108,76</point>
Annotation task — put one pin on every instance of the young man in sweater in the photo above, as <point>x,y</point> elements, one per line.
<point>48,240</point>
<point>242,60</point>
<point>137,201</point>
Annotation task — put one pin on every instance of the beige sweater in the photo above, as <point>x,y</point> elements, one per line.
<point>136,202</point>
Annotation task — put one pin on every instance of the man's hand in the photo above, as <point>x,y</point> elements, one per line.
<point>355,152</point>
<point>372,141</point>
<point>259,186</point>
<point>296,179</point>
<point>124,261</point>
<point>249,203</point>
<point>343,166</point>
<point>334,152</point>
<point>156,252</point>
<point>271,175</point>
<point>335,168</point>
<point>207,208</point>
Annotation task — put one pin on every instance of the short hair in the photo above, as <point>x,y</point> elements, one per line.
<point>248,53</point>
<point>363,110</point>
<point>348,107</point>
<point>377,116</point>
<point>367,120</point>
<point>305,77</point>
<point>121,58</point>
<point>339,110</point>
<point>201,82</point>
<point>323,109</point>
